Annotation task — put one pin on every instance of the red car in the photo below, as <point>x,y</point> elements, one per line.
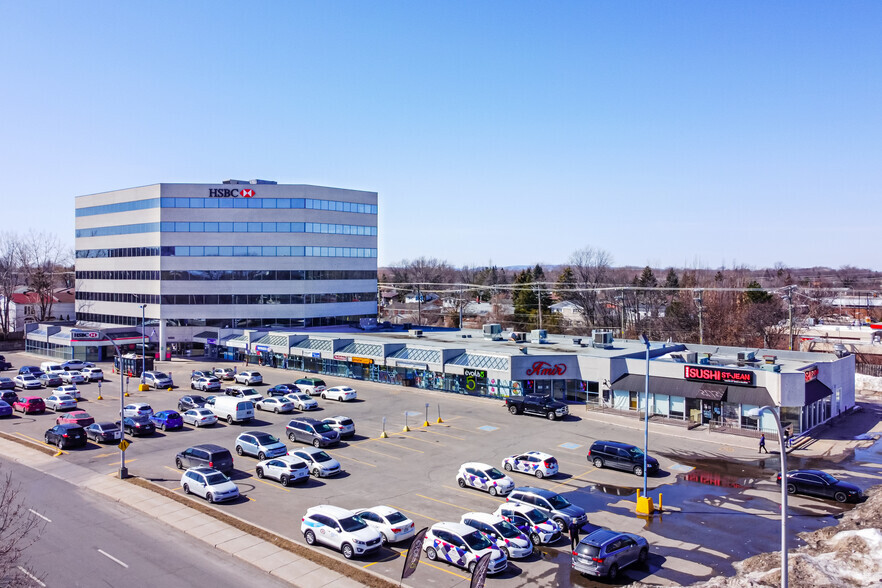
<point>77,417</point>
<point>29,404</point>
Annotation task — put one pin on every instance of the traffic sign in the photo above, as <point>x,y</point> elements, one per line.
<point>124,444</point>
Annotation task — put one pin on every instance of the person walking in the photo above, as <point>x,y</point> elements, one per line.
<point>574,536</point>
<point>762,446</point>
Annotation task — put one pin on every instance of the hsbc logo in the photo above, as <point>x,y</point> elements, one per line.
<point>230,193</point>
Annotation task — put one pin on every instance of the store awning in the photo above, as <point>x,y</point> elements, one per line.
<point>815,390</point>
<point>687,389</point>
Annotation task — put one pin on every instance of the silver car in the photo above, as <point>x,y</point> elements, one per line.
<point>605,553</point>
<point>199,417</point>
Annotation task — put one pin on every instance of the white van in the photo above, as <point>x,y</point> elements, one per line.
<point>50,367</point>
<point>232,409</point>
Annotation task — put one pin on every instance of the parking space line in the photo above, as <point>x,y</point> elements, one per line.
<point>447,503</point>
<point>415,513</point>
<point>104,455</point>
<point>175,470</point>
<point>579,477</point>
<point>431,565</point>
<point>356,445</point>
<point>353,459</point>
<point>396,556</point>
<point>442,434</point>
<point>396,446</point>
<point>37,441</point>
<point>128,460</point>
<point>277,486</point>
<point>475,493</point>
<point>415,438</point>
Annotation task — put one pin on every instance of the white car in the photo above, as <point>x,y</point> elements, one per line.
<point>27,382</point>
<point>321,465</point>
<point>532,521</point>
<point>510,540</point>
<point>73,364</point>
<point>248,378</point>
<point>392,525</point>
<point>93,374</point>
<point>342,424</point>
<point>71,377</point>
<point>70,390</point>
<point>275,405</point>
<point>199,417</point>
<point>245,393</point>
<point>208,384</point>
<point>484,477</point>
<point>302,401</point>
<point>138,409</point>
<point>462,546</point>
<point>61,402</point>
<point>541,465</point>
<point>210,484</point>
<point>341,393</point>
<point>286,469</point>
<point>157,380</point>
<point>341,529</point>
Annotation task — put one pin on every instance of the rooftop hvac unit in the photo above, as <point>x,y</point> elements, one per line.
<point>493,331</point>
<point>770,359</point>
<point>691,357</point>
<point>538,336</point>
<point>518,336</point>
<point>415,333</point>
<point>677,357</point>
<point>577,341</point>
<point>602,339</point>
<point>771,367</point>
<point>746,356</point>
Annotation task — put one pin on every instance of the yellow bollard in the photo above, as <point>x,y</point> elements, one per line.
<point>426,424</point>
<point>384,435</point>
<point>660,509</point>
<point>406,429</point>
<point>59,453</point>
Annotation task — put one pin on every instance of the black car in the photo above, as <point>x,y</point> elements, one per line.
<point>818,483</point>
<point>138,426</point>
<point>64,436</point>
<point>103,432</point>
<point>29,369</point>
<point>9,396</point>
<point>4,365</point>
<point>621,456</point>
<point>282,389</point>
<point>192,401</point>
<point>205,454</point>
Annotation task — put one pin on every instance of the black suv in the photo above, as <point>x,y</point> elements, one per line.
<point>66,436</point>
<point>313,431</point>
<point>206,454</point>
<point>621,456</point>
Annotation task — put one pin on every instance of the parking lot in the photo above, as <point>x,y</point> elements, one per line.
<point>714,518</point>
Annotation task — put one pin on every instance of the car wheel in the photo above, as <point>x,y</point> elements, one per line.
<point>507,467</point>
<point>513,409</point>
<point>239,451</point>
<point>539,474</point>
<point>613,572</point>
<point>840,496</point>
<point>643,556</point>
<point>324,397</point>
<point>209,498</point>
<point>598,463</point>
<point>291,437</point>
<point>186,489</point>
<point>46,439</point>
<point>492,491</point>
<point>178,463</point>
<point>59,444</point>
<point>551,416</point>
<point>562,524</point>
<point>431,553</point>
<point>276,410</point>
<point>196,424</point>
<point>285,480</point>
<point>347,550</point>
<point>261,456</point>
<point>162,426</point>
<point>230,419</point>
<point>791,488</point>
<point>504,550</point>
<point>638,470</point>
<point>316,473</point>
<point>310,537</point>
<point>472,565</point>
<point>384,541</point>
<point>316,443</point>
<point>534,537</point>
<point>461,482</point>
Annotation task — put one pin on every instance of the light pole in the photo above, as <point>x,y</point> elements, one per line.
<point>143,343</point>
<point>123,472</point>
<point>698,299</point>
<point>756,412</point>
<point>645,340</point>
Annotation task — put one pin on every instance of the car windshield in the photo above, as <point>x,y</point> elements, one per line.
<point>265,439</point>
<point>536,516</point>
<point>197,399</point>
<point>395,517</point>
<point>507,530</point>
<point>203,412</point>
<point>477,540</point>
<point>301,396</point>
<point>635,453</point>
<point>558,502</point>
<point>321,456</point>
<point>81,415</point>
<point>828,478</point>
<point>159,375</point>
<point>352,524</point>
<point>217,478</point>
<point>323,428</point>
<point>494,474</point>
<point>172,415</point>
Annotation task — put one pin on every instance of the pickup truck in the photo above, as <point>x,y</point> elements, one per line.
<point>535,404</point>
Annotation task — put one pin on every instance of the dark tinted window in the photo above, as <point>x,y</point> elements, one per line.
<point>588,550</point>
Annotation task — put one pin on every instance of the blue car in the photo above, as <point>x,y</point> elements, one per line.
<point>167,419</point>
<point>282,390</point>
<point>5,409</point>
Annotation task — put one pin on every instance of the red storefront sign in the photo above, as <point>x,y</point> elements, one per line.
<point>718,375</point>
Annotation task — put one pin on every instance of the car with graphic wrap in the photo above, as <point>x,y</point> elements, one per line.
<point>536,463</point>
<point>462,546</point>
<point>510,540</point>
<point>392,525</point>
<point>484,477</point>
<point>340,529</point>
<point>533,522</point>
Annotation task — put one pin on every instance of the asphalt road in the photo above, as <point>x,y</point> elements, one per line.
<point>90,543</point>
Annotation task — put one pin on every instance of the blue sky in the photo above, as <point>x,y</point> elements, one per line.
<point>668,133</point>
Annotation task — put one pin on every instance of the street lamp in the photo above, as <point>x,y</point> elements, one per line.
<point>143,343</point>
<point>755,413</point>
<point>123,471</point>
<point>645,340</point>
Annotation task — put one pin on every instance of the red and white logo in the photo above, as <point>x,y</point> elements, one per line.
<point>246,193</point>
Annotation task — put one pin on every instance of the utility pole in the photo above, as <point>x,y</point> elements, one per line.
<point>461,304</point>
<point>623,312</point>
<point>419,306</point>
<point>698,299</point>
<point>539,292</point>
<point>789,298</point>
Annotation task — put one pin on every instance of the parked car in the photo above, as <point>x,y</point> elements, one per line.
<point>50,380</point>
<point>64,436</point>
<point>93,374</point>
<point>282,390</point>
<point>77,417</point>
<point>259,444</point>
<point>312,386</point>
<point>393,526</point>
<point>462,546</point>
<point>605,553</point>
<point>344,425</point>
<point>306,430</point>
<point>199,417</point>
<point>196,374</point>
<point>70,390</point>
<point>341,529</point>
<point>191,401</point>
<point>543,405</point>
<point>510,540</point>
<point>275,405</point>
<point>157,380</point>
<point>5,409</point>
<point>224,373</point>
<point>537,463</point>
<point>72,377</point>
<point>137,409</point>
<point>302,401</point>
<point>248,378</point>
<point>4,365</point>
<point>321,465</point>
<point>6,383</point>
<point>205,454</point>
<point>138,426</point>
<point>558,508</point>
<point>103,432</point>
<point>533,522</point>
<point>286,469</point>
<point>242,392</point>
<point>339,393</point>
<point>210,484</point>
<point>819,483</point>
<point>167,419</point>
<point>621,456</point>
<point>61,402</point>
<point>233,410</point>
<point>27,369</point>
<point>27,382</point>
<point>8,396</point>
<point>209,384</point>
<point>30,405</point>
<point>484,477</point>
<point>73,364</point>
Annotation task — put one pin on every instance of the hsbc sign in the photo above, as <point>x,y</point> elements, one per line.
<point>230,192</point>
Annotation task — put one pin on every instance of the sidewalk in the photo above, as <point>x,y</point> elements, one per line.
<point>282,564</point>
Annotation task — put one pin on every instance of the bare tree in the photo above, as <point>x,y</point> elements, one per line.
<point>9,277</point>
<point>19,529</point>
<point>42,260</point>
<point>590,269</point>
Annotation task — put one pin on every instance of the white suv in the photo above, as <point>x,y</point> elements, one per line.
<point>342,424</point>
<point>209,483</point>
<point>93,374</point>
<point>462,546</point>
<point>248,378</point>
<point>537,463</point>
<point>484,477</point>
<point>286,469</point>
<point>341,529</point>
<point>513,542</point>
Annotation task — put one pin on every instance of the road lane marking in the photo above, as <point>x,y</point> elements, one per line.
<point>110,557</point>
<point>276,486</point>
<point>103,455</point>
<point>353,459</point>
<point>431,565</point>
<point>415,513</point>
<point>579,477</point>
<point>31,576</point>
<point>447,503</point>
<point>409,436</point>
<point>38,442</point>
<point>442,434</point>
<point>356,445</point>
<point>175,470</point>
<point>478,494</point>
<point>32,511</point>
<point>393,445</point>
<point>396,556</point>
